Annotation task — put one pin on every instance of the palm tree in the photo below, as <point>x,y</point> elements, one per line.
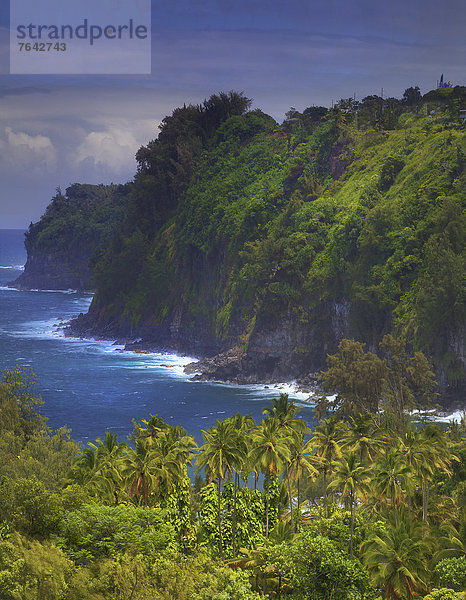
<point>270,452</point>
<point>98,467</point>
<point>242,425</point>
<point>327,441</point>
<point>392,478</point>
<point>452,543</point>
<point>363,437</point>
<point>219,455</point>
<point>284,411</point>
<point>351,478</point>
<point>140,478</point>
<point>397,561</point>
<point>84,466</point>
<point>426,451</point>
<point>264,562</point>
<point>414,449</point>
<point>171,451</point>
<point>302,460</point>
<point>109,456</point>
<point>437,456</point>
<point>256,560</point>
<point>152,427</point>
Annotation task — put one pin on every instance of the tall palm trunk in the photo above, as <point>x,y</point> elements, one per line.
<point>234,516</point>
<point>425,499</point>
<point>394,511</point>
<point>352,524</point>
<point>325,494</point>
<point>267,509</point>
<point>220,544</point>
<point>289,494</point>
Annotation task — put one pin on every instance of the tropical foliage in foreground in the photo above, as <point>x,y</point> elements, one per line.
<point>351,510</point>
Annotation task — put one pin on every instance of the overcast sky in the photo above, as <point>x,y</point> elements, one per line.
<point>59,129</point>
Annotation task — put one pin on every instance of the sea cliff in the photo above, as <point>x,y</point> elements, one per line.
<point>61,245</point>
<point>264,245</point>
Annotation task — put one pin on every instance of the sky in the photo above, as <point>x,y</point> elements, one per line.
<point>56,130</point>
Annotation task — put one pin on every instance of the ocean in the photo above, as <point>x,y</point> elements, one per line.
<point>94,386</point>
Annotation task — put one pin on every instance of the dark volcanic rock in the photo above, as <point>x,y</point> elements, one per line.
<point>226,366</point>
<point>45,271</point>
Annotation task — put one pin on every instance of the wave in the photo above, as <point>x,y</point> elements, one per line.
<point>69,291</point>
<point>170,364</point>
<point>456,416</point>
<point>166,364</point>
<point>158,362</point>
<point>12,267</point>
<point>36,290</point>
<point>259,391</point>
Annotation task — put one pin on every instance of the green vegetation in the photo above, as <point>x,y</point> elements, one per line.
<point>339,223</point>
<point>69,236</point>
<point>345,222</point>
<point>364,507</point>
<point>342,222</point>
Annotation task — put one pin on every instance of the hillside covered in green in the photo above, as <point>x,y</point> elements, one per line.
<point>281,240</point>
<point>271,243</point>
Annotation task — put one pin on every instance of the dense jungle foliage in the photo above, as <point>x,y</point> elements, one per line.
<point>360,508</point>
<point>84,216</point>
<point>234,221</point>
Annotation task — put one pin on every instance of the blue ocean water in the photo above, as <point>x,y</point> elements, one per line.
<point>93,386</point>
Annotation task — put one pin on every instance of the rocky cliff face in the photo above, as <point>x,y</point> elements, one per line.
<point>285,350</point>
<point>74,226</point>
<point>47,271</point>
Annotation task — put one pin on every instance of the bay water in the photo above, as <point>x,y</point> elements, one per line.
<point>94,386</point>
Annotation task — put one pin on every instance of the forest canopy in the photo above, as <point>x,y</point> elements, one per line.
<point>352,509</point>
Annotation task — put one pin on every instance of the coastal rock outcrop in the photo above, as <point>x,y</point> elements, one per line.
<point>46,271</point>
<point>60,247</point>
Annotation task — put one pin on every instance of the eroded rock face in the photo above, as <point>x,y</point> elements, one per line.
<point>285,350</point>
<point>226,366</point>
<point>49,272</point>
<point>340,158</point>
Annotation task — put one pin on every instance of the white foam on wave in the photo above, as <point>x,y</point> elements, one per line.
<point>37,291</point>
<point>456,416</point>
<point>291,389</point>
<point>12,267</point>
<point>159,362</point>
<point>68,291</point>
<point>259,391</point>
<point>39,329</point>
